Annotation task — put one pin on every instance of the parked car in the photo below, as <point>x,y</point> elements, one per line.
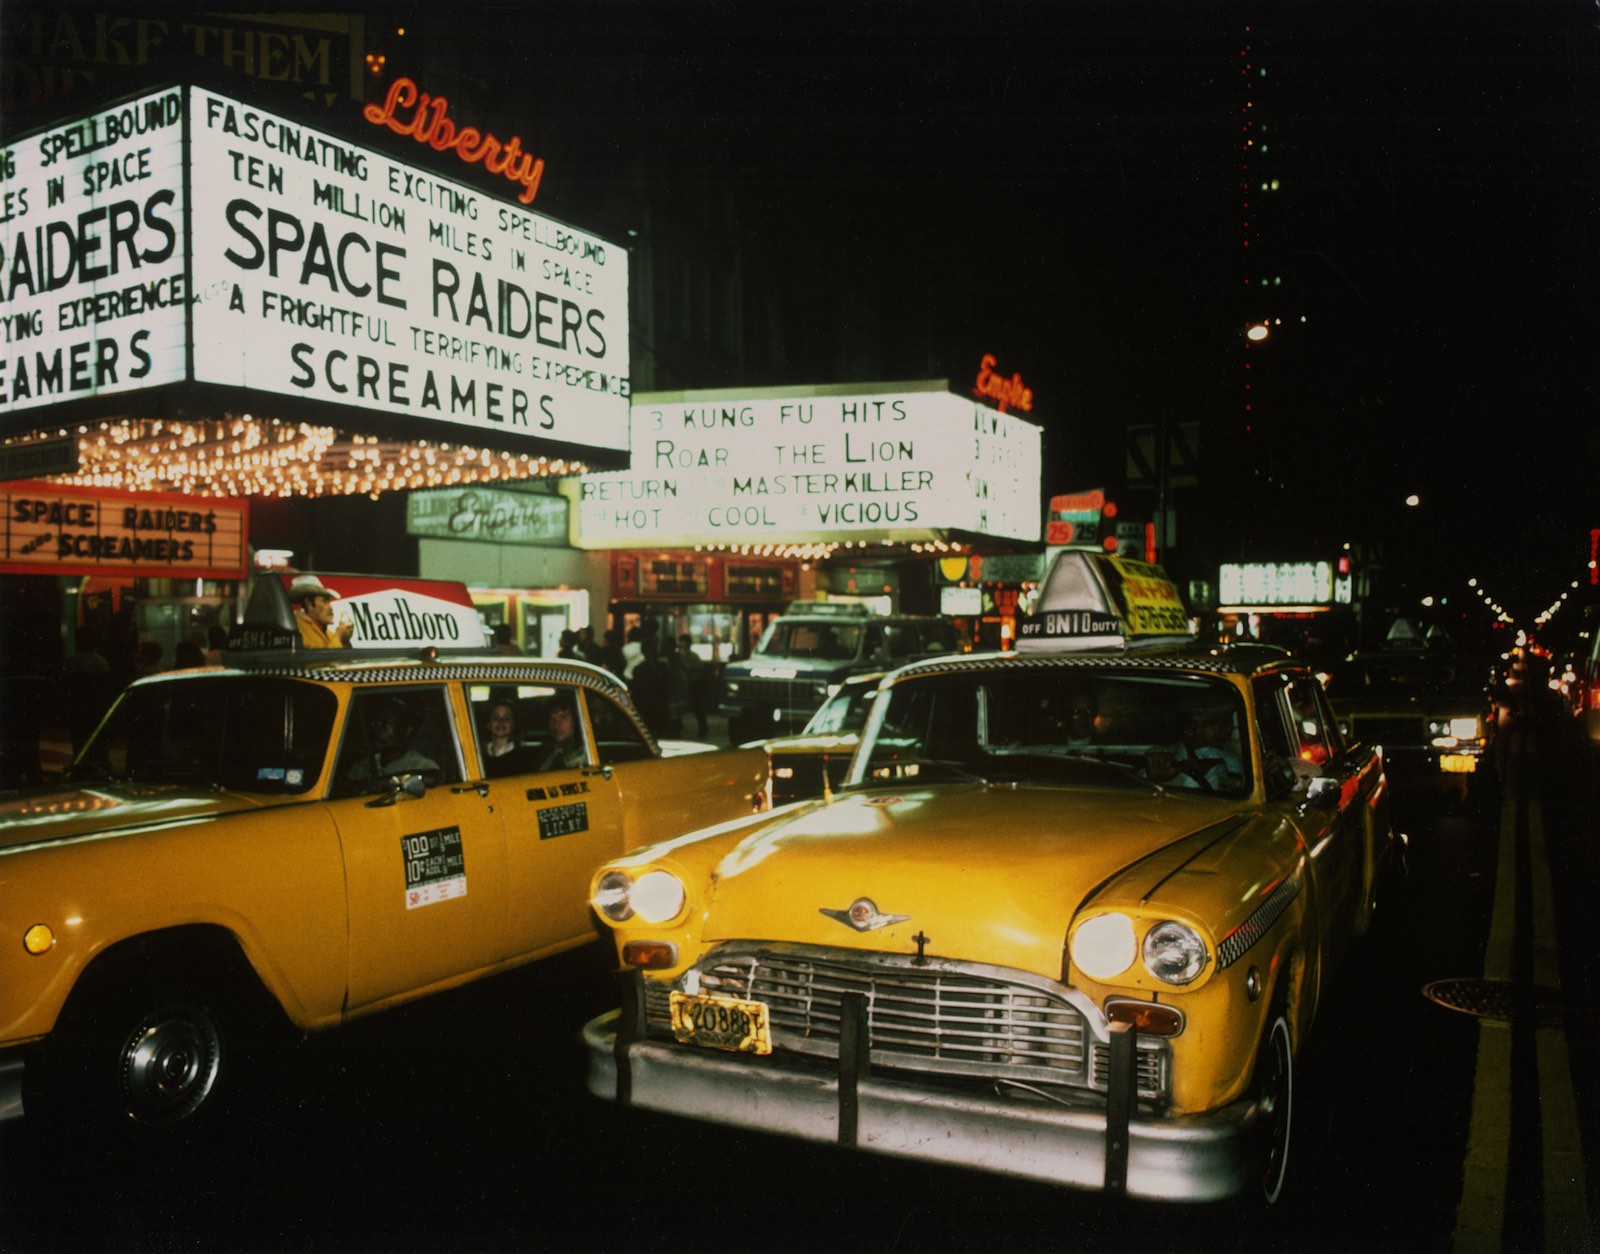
<point>1071,917</point>
<point>804,655</point>
<point>299,838</point>
<point>813,763</point>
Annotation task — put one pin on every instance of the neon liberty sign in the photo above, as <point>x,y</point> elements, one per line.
<point>406,110</point>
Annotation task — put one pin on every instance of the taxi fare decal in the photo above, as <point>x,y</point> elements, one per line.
<point>563,820</point>
<point>436,867</point>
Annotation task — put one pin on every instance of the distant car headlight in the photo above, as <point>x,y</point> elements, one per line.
<point>1464,728</point>
<point>656,896</point>
<point>1174,952</point>
<point>1103,947</point>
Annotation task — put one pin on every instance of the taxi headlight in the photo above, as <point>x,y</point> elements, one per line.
<point>1103,946</point>
<point>658,896</point>
<point>1174,952</point>
<point>613,896</point>
<point>655,896</point>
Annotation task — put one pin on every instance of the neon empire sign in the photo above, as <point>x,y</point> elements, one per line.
<point>408,111</point>
<point>1007,393</point>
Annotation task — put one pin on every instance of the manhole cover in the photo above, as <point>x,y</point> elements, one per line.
<point>1491,999</point>
<point>1488,999</point>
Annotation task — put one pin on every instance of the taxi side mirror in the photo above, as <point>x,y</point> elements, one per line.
<point>1322,793</point>
<point>412,784</point>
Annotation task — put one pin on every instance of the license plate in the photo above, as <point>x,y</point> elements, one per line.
<point>721,1022</point>
<point>1457,763</point>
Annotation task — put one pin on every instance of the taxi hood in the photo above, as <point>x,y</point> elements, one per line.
<point>49,814</point>
<point>990,874</point>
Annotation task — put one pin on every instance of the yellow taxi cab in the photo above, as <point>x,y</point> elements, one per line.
<point>813,763</point>
<point>1070,917</point>
<point>304,836</point>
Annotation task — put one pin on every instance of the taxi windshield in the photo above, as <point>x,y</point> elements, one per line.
<point>243,733</point>
<point>845,711</point>
<point>1060,726</point>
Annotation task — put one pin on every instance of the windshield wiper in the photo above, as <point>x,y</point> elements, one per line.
<point>80,771</point>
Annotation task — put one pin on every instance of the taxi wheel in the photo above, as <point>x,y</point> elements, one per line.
<point>1274,1093</point>
<point>168,1061</point>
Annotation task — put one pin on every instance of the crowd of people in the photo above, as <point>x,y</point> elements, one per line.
<point>669,682</point>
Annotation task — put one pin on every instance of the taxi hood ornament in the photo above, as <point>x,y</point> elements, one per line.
<point>863,915</point>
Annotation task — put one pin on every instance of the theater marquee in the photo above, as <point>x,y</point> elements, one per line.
<point>50,530</point>
<point>186,238</point>
<point>793,468</point>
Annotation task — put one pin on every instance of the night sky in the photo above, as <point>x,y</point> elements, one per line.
<point>1058,183</point>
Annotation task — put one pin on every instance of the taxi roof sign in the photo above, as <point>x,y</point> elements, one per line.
<point>1095,600</point>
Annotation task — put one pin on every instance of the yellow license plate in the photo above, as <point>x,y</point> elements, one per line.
<point>721,1022</point>
<point>1457,763</point>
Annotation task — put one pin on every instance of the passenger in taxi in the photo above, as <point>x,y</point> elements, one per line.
<point>390,725</point>
<point>565,749</point>
<point>503,751</point>
<point>1204,752</point>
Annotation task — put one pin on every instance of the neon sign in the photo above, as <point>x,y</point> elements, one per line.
<point>1005,392</point>
<point>408,111</point>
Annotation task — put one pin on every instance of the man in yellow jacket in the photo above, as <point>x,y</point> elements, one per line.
<point>313,614</point>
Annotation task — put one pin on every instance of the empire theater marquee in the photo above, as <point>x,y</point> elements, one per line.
<point>191,249</point>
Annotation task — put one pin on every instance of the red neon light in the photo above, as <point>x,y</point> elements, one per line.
<point>1006,392</point>
<point>427,124</point>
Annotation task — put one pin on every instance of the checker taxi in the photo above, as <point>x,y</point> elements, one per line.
<point>1070,917</point>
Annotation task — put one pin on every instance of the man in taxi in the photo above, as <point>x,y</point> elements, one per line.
<point>390,726</point>
<point>1204,752</point>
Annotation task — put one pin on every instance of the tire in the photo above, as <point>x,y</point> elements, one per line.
<point>1274,1095</point>
<point>152,1056</point>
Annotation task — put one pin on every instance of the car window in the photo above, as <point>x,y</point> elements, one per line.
<point>1312,729</point>
<point>617,737</point>
<point>255,734</point>
<point>845,711</point>
<point>1279,747</point>
<point>1050,725</point>
<point>521,729</point>
<point>397,731</point>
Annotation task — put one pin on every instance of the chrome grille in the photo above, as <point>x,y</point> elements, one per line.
<point>952,1020</point>
<point>784,693</point>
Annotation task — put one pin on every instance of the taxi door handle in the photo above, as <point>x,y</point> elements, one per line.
<point>481,788</point>
<point>604,771</point>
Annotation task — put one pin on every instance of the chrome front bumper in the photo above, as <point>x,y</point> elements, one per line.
<point>1194,1158</point>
